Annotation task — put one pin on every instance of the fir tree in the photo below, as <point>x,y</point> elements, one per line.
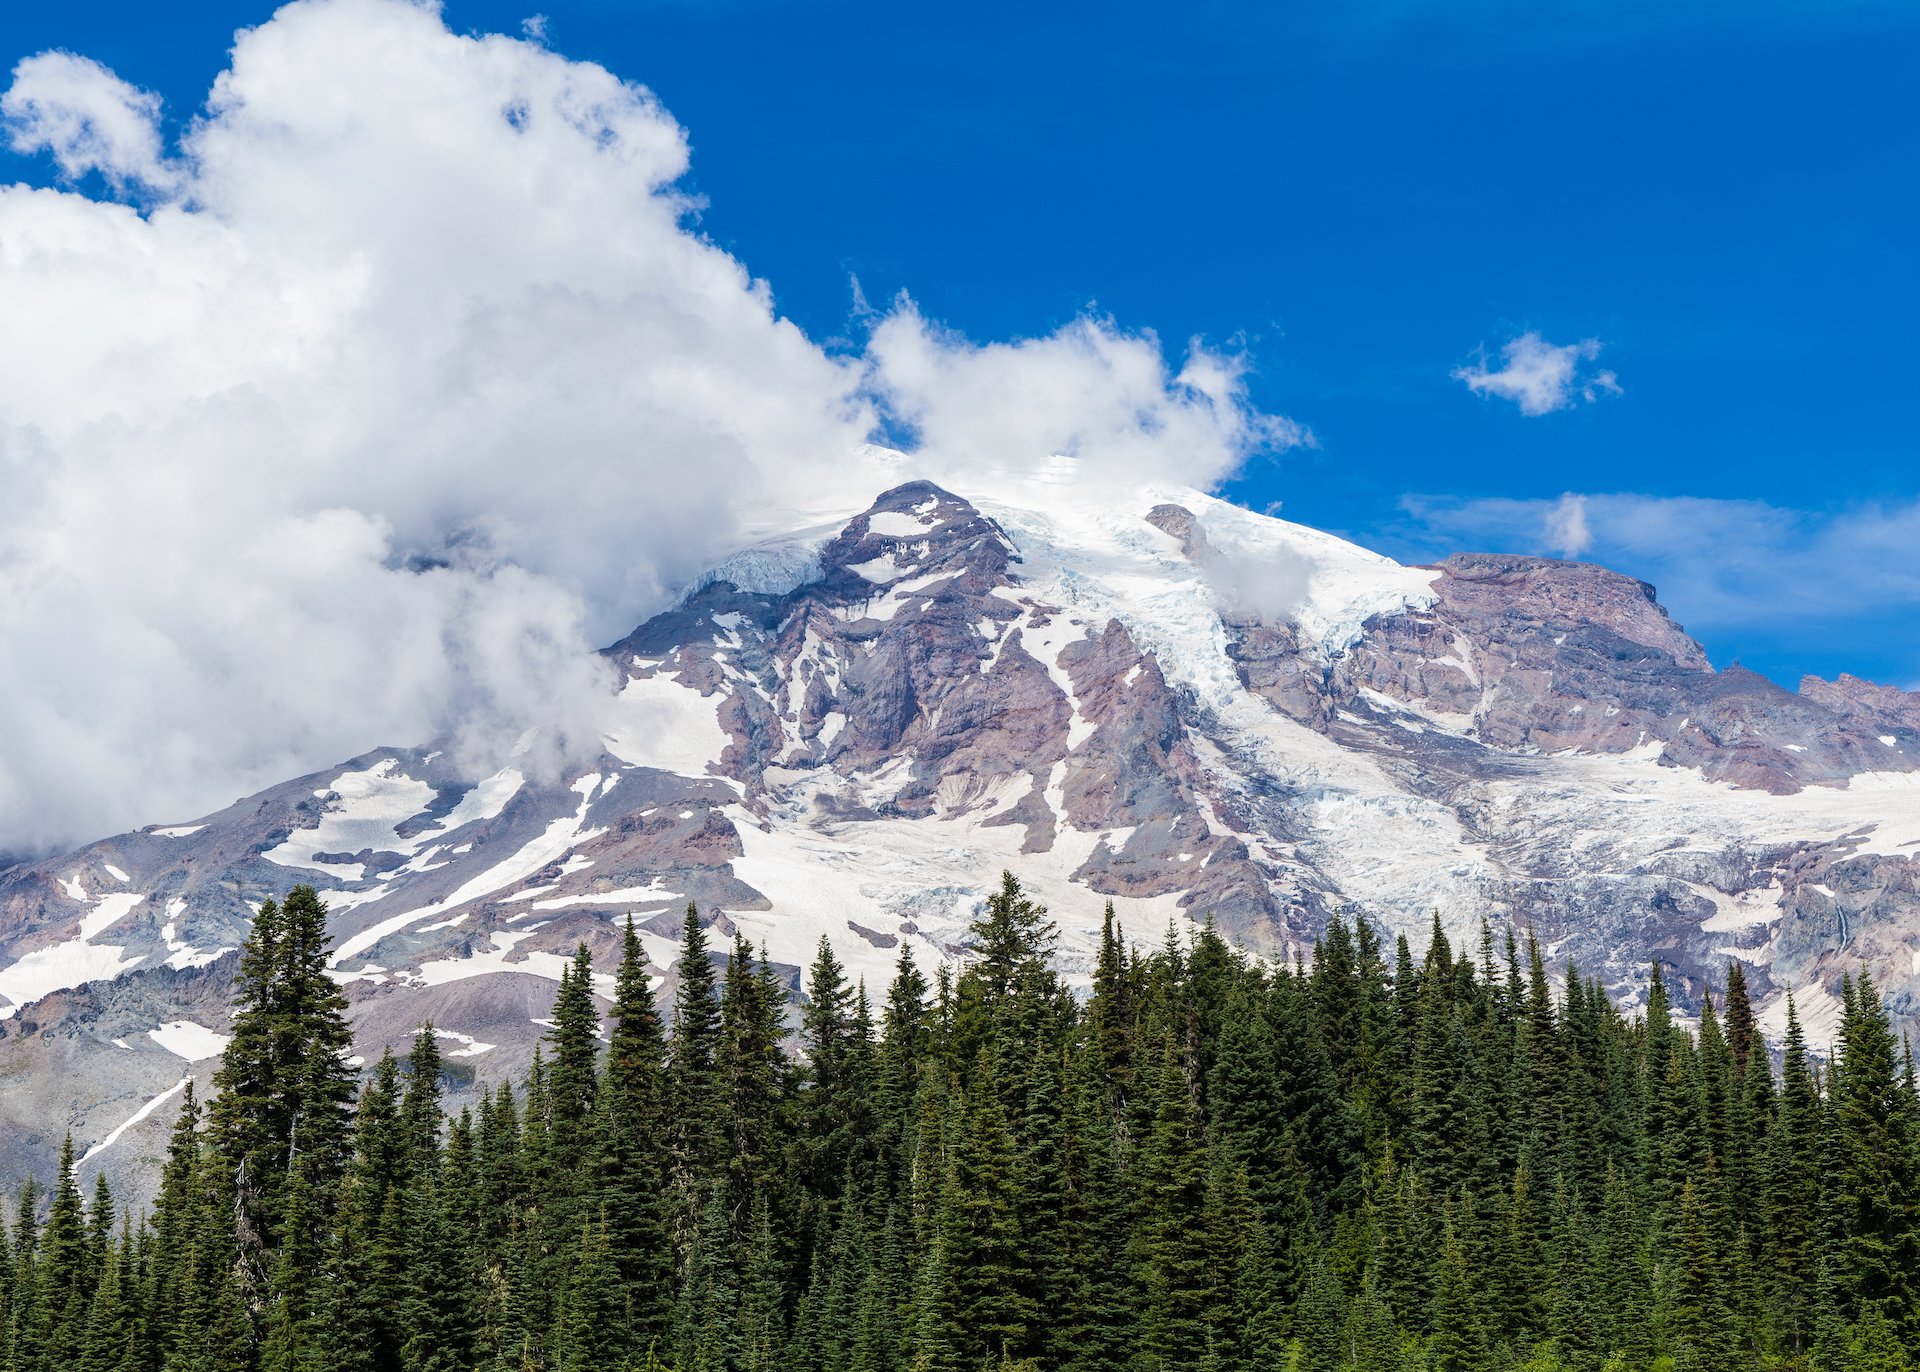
<point>631,1124</point>
<point>693,1080</point>
<point>1177,1283</point>
<point>284,1069</point>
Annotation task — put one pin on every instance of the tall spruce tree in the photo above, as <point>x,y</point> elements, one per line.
<point>284,1072</point>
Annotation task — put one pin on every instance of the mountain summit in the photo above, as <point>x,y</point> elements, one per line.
<point>1168,701</point>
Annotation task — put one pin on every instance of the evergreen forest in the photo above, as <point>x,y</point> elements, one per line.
<point>1365,1163</point>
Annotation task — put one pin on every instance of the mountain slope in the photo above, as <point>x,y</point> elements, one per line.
<point>1168,701</point>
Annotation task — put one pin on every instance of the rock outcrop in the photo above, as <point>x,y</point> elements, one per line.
<point>1171,703</point>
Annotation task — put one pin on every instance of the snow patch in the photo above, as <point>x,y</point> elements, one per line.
<point>470,1047</point>
<point>107,912</point>
<point>136,1117</point>
<point>73,962</point>
<point>495,959</point>
<point>652,892</point>
<point>194,1042</point>
<point>365,810</point>
<point>881,570</point>
<point>893,524</point>
<point>180,953</point>
<point>560,836</point>
<point>177,831</point>
<point>657,722</point>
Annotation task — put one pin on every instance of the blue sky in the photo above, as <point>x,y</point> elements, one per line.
<point>1371,199</point>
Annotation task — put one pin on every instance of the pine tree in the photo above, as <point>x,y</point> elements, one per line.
<point>1099,1327</point>
<point>1177,1284</point>
<point>1792,1179</point>
<point>706,1328</point>
<point>753,1079</point>
<point>1456,1344</point>
<point>1320,1317</point>
<point>420,1113</point>
<point>1875,1346</point>
<point>631,1123</point>
<point>593,1334</point>
<point>572,1075</point>
<point>1697,1318</point>
<point>65,1279</point>
<point>1110,1010</point>
<point>284,1069</point>
<point>693,1081</point>
<point>1741,1029</point>
<point>1011,937</point>
<point>1370,1342</point>
<point>828,1113</point>
<point>978,1221</point>
<point>112,1341</point>
<point>762,1334</point>
<point>1876,1188</point>
<point>437,1309</point>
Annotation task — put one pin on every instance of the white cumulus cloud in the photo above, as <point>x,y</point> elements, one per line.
<point>88,118</point>
<point>407,381</point>
<point>1541,377</point>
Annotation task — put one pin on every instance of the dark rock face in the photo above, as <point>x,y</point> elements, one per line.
<point>1886,710</point>
<point>848,738</point>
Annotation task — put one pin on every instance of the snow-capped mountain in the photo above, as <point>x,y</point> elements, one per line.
<point>1166,700</point>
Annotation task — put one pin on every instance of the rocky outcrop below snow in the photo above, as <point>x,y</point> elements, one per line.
<point>1167,701</point>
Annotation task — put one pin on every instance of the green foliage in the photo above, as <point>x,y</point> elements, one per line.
<point>1206,1163</point>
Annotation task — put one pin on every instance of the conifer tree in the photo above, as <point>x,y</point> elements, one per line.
<point>1456,1344</point>
<point>65,1281</point>
<point>829,1114</point>
<point>593,1334</point>
<point>1741,1029</point>
<point>112,1340</point>
<point>1098,1330</point>
<point>631,1125</point>
<point>762,1335</point>
<point>1179,1173</point>
<point>1792,1210</point>
<point>285,1065</point>
<point>693,1081</point>
<point>752,1079</point>
<point>1110,1009</point>
<point>1876,1258</point>
<point>1177,1283</point>
<point>706,1326</point>
<point>572,1084</point>
<point>1011,936</point>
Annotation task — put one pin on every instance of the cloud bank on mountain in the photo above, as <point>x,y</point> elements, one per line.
<point>361,414</point>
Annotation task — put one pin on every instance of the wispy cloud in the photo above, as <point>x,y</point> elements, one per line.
<point>1566,527</point>
<point>1540,377</point>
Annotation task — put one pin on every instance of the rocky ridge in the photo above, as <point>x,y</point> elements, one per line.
<point>1167,701</point>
